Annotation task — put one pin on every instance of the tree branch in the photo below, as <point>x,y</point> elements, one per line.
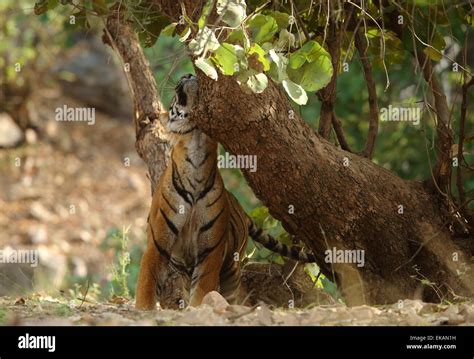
<point>460,155</point>
<point>362,46</point>
<point>444,135</point>
<point>341,137</point>
<point>151,140</point>
<point>327,95</point>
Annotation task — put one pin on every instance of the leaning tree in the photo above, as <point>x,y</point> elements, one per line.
<point>256,60</point>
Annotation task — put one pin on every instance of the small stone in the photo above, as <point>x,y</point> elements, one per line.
<point>31,136</point>
<point>10,133</point>
<point>216,301</point>
<point>38,234</point>
<point>40,212</point>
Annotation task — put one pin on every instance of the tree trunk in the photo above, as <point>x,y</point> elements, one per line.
<point>340,200</point>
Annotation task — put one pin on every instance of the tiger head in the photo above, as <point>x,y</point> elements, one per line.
<point>184,100</point>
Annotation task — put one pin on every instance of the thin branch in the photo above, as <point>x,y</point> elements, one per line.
<point>299,20</point>
<point>341,137</point>
<point>444,136</point>
<point>151,140</point>
<point>327,95</point>
<point>362,46</point>
<point>462,129</point>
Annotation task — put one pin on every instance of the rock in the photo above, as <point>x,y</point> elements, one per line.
<point>38,234</point>
<point>264,315</point>
<point>40,212</point>
<point>10,134</point>
<point>51,269</point>
<point>31,136</point>
<point>79,267</point>
<point>216,301</point>
<point>89,73</point>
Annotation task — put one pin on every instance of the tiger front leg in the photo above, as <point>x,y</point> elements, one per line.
<point>151,270</point>
<point>205,277</point>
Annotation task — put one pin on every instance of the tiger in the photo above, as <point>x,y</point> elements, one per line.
<point>196,228</point>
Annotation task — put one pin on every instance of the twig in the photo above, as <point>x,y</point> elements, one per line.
<point>362,47</point>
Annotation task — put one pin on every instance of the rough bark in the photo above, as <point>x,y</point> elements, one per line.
<point>151,139</point>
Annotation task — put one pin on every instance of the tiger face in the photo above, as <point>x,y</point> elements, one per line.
<point>184,100</point>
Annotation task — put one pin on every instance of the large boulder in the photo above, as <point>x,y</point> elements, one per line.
<point>89,72</point>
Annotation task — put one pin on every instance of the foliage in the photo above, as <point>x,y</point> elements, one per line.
<point>120,270</point>
<point>28,44</point>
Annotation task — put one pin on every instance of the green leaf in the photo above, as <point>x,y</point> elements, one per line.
<point>257,83</point>
<point>226,59</point>
<point>285,40</point>
<point>296,92</point>
<point>256,49</point>
<point>206,66</point>
<point>233,11</point>
<point>433,54</point>
<point>278,67</point>
<point>205,41</point>
<point>236,36</point>
<point>185,34</point>
<point>282,18</point>
<point>170,29</point>
<point>310,52</point>
<point>262,28</point>
<point>310,67</point>
<point>312,76</point>
<point>204,14</point>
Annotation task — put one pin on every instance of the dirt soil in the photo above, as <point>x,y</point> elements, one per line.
<point>44,310</point>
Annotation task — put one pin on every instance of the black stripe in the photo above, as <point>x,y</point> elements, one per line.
<point>209,250</point>
<point>160,250</point>
<point>209,224</point>
<point>180,267</point>
<point>234,234</point>
<point>168,202</point>
<point>230,273</point>
<point>295,253</point>
<point>193,186</point>
<point>209,184</point>
<point>170,224</point>
<point>217,198</point>
<point>191,162</point>
<point>284,250</point>
<point>271,243</point>
<point>178,185</point>
<point>206,156</point>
